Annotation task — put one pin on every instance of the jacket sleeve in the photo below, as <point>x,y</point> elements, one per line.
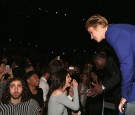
<point>114,76</point>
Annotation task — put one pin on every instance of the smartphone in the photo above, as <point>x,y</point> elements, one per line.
<point>7,67</point>
<point>71,68</point>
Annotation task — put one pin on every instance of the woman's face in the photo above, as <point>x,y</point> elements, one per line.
<point>2,68</point>
<point>85,77</point>
<point>68,80</point>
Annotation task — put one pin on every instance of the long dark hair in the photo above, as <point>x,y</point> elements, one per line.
<point>6,93</point>
<point>58,80</point>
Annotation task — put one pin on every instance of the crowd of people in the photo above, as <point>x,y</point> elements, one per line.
<point>57,87</point>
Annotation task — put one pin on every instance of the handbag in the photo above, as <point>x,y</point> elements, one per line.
<point>129,108</point>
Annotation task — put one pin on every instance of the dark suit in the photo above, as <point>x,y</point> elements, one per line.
<point>112,81</point>
<point>110,77</point>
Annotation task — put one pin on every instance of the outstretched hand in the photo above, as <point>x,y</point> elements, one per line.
<point>96,90</point>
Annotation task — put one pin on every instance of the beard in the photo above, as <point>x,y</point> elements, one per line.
<point>16,95</point>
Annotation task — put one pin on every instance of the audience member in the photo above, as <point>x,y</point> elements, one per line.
<point>94,104</point>
<point>110,78</point>
<point>82,89</point>
<point>43,83</point>
<point>56,64</point>
<point>32,79</point>
<point>16,99</point>
<point>28,67</point>
<point>58,100</point>
<point>18,69</point>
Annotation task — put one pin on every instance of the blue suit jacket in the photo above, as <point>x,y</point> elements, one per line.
<point>122,38</point>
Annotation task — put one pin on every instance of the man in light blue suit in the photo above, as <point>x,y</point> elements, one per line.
<point>122,39</point>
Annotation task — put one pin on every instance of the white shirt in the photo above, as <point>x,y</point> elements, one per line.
<point>45,87</point>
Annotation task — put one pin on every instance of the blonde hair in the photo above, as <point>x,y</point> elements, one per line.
<point>96,20</point>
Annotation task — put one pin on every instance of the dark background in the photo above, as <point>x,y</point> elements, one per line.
<point>57,23</point>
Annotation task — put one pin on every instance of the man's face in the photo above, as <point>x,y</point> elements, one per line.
<point>100,63</point>
<point>96,33</point>
<point>33,80</point>
<point>16,89</point>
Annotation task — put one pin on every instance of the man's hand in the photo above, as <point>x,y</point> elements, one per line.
<point>96,90</point>
<point>122,102</point>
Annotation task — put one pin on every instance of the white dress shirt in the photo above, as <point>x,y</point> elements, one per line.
<point>45,87</point>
